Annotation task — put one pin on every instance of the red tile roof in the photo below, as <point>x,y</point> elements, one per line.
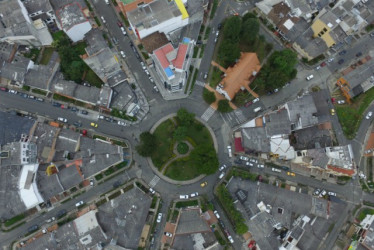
<point>181,55</point>
<point>161,54</point>
<point>349,172</point>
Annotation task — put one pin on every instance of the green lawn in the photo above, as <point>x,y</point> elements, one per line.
<point>182,170</point>
<point>215,78</point>
<point>80,48</point>
<point>47,53</point>
<point>364,212</point>
<point>57,35</point>
<point>350,116</point>
<point>33,54</point>
<point>93,79</point>
<point>164,144</point>
<point>199,134</point>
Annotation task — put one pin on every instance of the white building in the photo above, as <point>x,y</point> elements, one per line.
<point>73,21</point>
<point>162,16</point>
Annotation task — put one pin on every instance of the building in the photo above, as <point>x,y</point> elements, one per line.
<point>162,16</point>
<point>40,9</point>
<point>239,76</point>
<point>129,5</point>
<point>17,26</point>
<point>14,73</point>
<point>172,65</point>
<point>73,21</point>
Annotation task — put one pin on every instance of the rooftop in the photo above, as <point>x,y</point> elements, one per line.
<point>277,123</point>
<point>301,112</point>
<point>255,139</point>
<point>71,15</point>
<point>312,137</point>
<point>190,221</point>
<point>13,126</point>
<point>362,75</point>
<point>312,46</point>
<point>14,21</point>
<point>154,13</point>
<point>38,7</point>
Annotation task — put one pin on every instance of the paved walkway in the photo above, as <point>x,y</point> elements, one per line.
<point>178,155</point>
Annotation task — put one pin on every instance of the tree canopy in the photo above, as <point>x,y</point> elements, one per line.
<point>250,29</point>
<point>204,156</point>
<point>180,133</point>
<point>228,52</point>
<point>185,117</point>
<point>147,144</point>
<point>224,106</point>
<point>209,96</point>
<point>232,28</point>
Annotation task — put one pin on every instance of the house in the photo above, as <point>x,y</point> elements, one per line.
<point>239,76</point>
<point>172,64</point>
<point>13,73</point>
<point>40,9</point>
<point>162,16</point>
<point>129,5</point>
<point>17,26</point>
<point>73,21</point>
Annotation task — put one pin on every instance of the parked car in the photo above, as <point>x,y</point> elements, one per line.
<point>123,54</point>
<point>331,193</point>
<point>168,234</point>
<point>317,192</point>
<point>323,64</point>
<point>33,228</point>
<point>359,54</point>
<point>100,117</point>
<point>115,40</point>
<point>248,104</point>
<point>203,184</point>
<point>343,52</point>
<point>323,193</point>
<point>205,75</point>
<point>86,84</point>
<point>119,24</point>
<point>222,167</point>
<point>40,99</point>
<point>50,220</point>
<point>310,77</point>
<point>221,175</point>
<point>256,100</point>
<point>261,166</point>
<point>151,79</point>
<point>74,109</point>
<point>194,195</point>
<point>183,196</point>
<point>92,182</point>
<point>4,89</point>
<point>249,164</point>
<point>84,112</point>
<point>216,214</point>
<point>78,124</point>
<point>291,173</point>
<point>159,217</point>
<point>12,91</point>
<point>102,18</point>
<point>332,111</point>
<point>61,119</point>
<point>80,203</point>
<point>341,101</point>
<point>117,184</point>
<point>122,123</point>
<point>341,61</point>
<point>61,213</point>
<point>372,34</point>
<point>229,151</point>
<point>93,124</point>
<point>123,31</point>
<point>331,59</point>
<point>368,116</point>
<point>152,191</point>
<point>243,158</point>
<point>230,239</point>
<point>143,65</point>
<point>155,88</point>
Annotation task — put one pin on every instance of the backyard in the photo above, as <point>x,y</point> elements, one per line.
<point>350,116</point>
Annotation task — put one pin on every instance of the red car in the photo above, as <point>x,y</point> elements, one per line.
<point>248,104</point>
<point>252,244</point>
<point>323,64</point>
<point>3,89</point>
<point>119,24</point>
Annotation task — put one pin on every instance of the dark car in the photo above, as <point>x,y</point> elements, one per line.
<point>340,61</point>
<point>372,34</point>
<point>219,26</point>
<point>56,104</point>
<point>61,213</point>
<point>84,112</point>
<point>25,95</point>
<point>117,184</point>
<point>74,109</point>
<point>108,119</point>
<point>119,24</point>
<point>248,104</point>
<point>343,52</point>
<point>285,168</point>
<point>323,64</point>
<point>199,42</point>
<point>33,228</point>
<point>78,124</point>
<point>359,54</point>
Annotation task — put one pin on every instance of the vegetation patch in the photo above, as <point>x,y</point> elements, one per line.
<point>120,114</point>
<point>209,96</point>
<point>224,106</point>
<point>46,56</point>
<point>114,195</point>
<point>25,87</point>
<point>364,212</point>
<point>182,148</point>
<point>214,8</point>
<point>215,77</point>
<point>100,202</point>
<point>350,116</point>
<point>369,27</point>
<point>39,92</point>
<point>33,54</point>
<point>99,177</point>
<point>14,220</point>
<point>154,202</point>
<point>181,204</point>
<point>109,171</point>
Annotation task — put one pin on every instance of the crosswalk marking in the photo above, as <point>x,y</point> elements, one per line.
<point>199,83</point>
<point>208,113</point>
<point>154,181</point>
<point>240,115</point>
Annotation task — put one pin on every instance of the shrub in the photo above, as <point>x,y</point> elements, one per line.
<point>208,96</point>
<point>224,106</point>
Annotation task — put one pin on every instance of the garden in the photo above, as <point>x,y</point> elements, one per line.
<point>180,147</point>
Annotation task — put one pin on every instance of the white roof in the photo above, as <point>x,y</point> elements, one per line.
<point>282,147</point>
<point>288,24</point>
<point>86,222</point>
<point>29,193</point>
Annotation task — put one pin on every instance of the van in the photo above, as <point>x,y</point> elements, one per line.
<point>276,170</point>
<point>229,150</point>
<point>257,109</point>
<point>107,2</point>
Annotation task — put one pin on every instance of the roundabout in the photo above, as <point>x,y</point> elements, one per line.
<point>180,148</point>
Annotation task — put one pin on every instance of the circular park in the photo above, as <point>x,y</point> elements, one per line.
<point>180,147</point>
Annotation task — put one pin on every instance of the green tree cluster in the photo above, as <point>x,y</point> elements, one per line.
<point>224,106</point>
<point>180,133</point>
<point>185,118</point>
<point>209,96</point>
<point>234,215</point>
<point>147,146</point>
<point>72,66</point>
<point>279,69</point>
<point>205,158</point>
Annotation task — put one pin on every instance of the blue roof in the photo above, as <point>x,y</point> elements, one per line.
<point>186,40</point>
<point>168,72</point>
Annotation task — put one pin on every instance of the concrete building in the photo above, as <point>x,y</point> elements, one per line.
<point>17,26</point>
<point>73,21</point>
<point>158,16</point>
<point>40,9</point>
<point>239,76</point>
<point>13,73</point>
<point>172,65</point>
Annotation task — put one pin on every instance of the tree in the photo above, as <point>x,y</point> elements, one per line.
<point>147,144</point>
<point>75,72</point>
<point>228,52</point>
<point>205,158</point>
<point>209,96</point>
<point>250,29</point>
<point>180,133</point>
<point>185,118</point>
<point>224,106</point>
<point>248,16</point>
<point>284,60</point>
<point>232,28</point>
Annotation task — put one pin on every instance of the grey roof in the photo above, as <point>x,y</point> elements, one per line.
<point>38,7</point>
<point>122,95</point>
<point>95,41</point>
<point>13,126</point>
<point>297,232</point>
<point>191,222</point>
<point>70,15</point>
<point>361,74</point>
<point>40,76</point>
<point>13,21</point>
<point>45,136</point>
<point>297,30</point>
<point>312,46</point>
<point>105,96</point>
<point>312,137</point>
<point>116,78</point>
<point>255,139</point>
<point>302,112</point>
<point>338,34</point>
<point>57,4</point>
<point>152,14</point>
<point>329,18</point>
<point>277,123</point>
<point>6,50</point>
<point>318,157</point>
<point>76,91</point>
<point>120,220</point>
<point>67,140</point>
<point>69,176</point>
<point>14,71</point>
<point>369,239</point>
<point>321,99</point>
<point>48,186</point>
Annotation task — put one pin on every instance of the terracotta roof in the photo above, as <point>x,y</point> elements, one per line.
<point>181,54</point>
<point>241,74</point>
<point>161,54</point>
<point>349,172</point>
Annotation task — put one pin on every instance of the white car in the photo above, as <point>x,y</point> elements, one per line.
<point>194,195</point>
<point>152,191</point>
<point>253,160</point>
<point>168,234</point>
<point>102,18</point>
<point>369,115</point>
<point>331,59</point>
<point>123,31</point>
<point>221,175</point>
<point>155,88</point>
<point>310,77</point>
<point>151,79</point>
<point>256,100</point>
<point>341,101</point>
<point>183,196</point>
<point>222,167</point>
<point>143,65</point>
<point>216,214</point>
<point>230,239</point>
<point>147,72</point>
<point>331,193</point>
<point>107,2</point>
<point>318,67</point>
<point>122,123</point>
<point>123,54</point>
<point>249,164</point>
<point>101,117</point>
<point>323,193</point>
<point>61,119</point>
<point>159,217</point>
<point>243,158</point>
<point>91,182</point>
<point>260,166</point>
<point>78,204</point>
<point>13,91</point>
<point>229,150</point>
